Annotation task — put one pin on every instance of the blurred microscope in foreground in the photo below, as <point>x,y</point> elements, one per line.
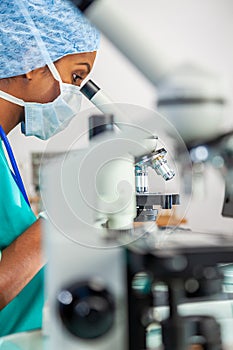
<point>104,272</point>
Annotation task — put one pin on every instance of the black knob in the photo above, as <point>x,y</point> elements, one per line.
<point>86,309</point>
<point>204,331</point>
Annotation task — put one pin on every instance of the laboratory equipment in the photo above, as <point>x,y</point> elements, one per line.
<point>104,271</point>
<point>217,152</point>
<point>103,280</point>
<point>107,275</point>
<point>94,174</point>
<point>190,95</point>
<point>154,158</point>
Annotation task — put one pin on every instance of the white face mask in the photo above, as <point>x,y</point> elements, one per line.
<point>46,120</point>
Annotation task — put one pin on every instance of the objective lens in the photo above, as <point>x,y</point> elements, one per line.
<point>161,168</point>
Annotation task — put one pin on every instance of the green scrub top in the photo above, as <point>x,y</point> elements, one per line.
<point>24,312</point>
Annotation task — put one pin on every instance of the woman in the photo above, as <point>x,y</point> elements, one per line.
<point>47,49</point>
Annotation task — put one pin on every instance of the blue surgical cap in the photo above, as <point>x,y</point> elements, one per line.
<point>62,28</point>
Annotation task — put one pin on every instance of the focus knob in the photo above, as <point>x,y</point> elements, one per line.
<point>86,309</point>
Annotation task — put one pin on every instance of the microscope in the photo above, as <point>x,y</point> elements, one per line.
<point>104,268</point>
<point>98,200</point>
<point>154,159</point>
<point>217,152</point>
<point>195,101</point>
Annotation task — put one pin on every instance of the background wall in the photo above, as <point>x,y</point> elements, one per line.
<point>188,31</point>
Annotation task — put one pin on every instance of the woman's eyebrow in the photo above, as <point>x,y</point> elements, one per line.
<point>85,64</point>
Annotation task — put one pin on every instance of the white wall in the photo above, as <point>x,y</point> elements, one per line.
<point>188,30</point>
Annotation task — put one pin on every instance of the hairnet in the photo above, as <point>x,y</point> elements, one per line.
<point>60,25</point>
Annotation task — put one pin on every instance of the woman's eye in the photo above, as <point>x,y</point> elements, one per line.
<point>76,77</point>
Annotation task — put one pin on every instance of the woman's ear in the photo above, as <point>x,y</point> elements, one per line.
<point>34,73</point>
<point>29,75</point>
